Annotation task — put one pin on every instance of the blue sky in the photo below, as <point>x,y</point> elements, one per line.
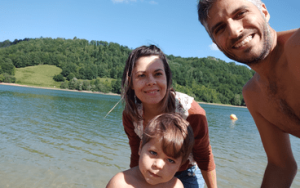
<point>170,24</point>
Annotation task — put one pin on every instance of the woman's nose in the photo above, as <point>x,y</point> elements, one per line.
<point>151,81</point>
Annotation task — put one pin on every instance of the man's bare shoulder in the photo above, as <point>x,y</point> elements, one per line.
<point>251,86</point>
<point>290,40</point>
<point>290,37</point>
<point>292,47</point>
<point>251,90</point>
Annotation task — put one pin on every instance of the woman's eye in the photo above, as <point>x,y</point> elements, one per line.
<point>158,74</point>
<point>171,161</point>
<point>141,75</point>
<point>152,152</point>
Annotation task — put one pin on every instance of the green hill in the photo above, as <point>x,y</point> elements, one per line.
<point>98,66</point>
<point>40,75</point>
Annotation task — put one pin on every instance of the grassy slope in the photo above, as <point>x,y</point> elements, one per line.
<point>40,75</point>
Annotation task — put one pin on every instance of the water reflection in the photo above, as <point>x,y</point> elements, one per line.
<point>61,139</point>
<point>232,124</point>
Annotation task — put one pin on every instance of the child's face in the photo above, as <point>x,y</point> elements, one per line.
<point>155,165</point>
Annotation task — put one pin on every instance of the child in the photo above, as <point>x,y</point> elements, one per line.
<point>166,144</point>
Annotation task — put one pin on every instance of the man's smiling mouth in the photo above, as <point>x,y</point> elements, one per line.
<point>243,42</point>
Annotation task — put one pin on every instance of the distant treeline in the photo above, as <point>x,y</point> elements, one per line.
<point>83,62</point>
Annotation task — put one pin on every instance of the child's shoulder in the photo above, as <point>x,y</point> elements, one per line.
<point>177,183</point>
<point>173,183</point>
<point>125,179</point>
<point>117,181</point>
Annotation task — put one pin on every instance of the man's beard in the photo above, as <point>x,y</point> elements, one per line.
<point>267,43</point>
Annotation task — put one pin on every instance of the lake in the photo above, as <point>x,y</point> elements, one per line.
<point>56,138</point>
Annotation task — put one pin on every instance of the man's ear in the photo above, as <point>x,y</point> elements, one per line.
<point>140,148</point>
<point>265,12</point>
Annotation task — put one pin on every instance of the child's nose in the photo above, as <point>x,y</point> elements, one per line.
<point>159,163</point>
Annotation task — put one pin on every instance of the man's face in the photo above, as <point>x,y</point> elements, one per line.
<point>240,30</point>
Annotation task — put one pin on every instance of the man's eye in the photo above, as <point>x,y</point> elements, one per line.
<point>219,29</point>
<point>241,14</point>
<point>171,161</point>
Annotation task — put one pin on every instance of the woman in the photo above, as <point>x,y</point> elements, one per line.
<point>147,92</point>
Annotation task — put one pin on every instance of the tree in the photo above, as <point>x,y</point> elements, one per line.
<point>70,76</point>
<point>59,78</point>
<point>116,86</point>
<point>86,85</point>
<point>207,79</point>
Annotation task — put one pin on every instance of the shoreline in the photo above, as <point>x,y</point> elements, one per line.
<point>54,88</point>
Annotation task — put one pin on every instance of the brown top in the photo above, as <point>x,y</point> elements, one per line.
<point>202,152</point>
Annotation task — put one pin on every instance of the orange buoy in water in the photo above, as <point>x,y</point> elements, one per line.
<point>233,117</point>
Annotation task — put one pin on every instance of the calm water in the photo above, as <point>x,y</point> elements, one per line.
<point>55,138</point>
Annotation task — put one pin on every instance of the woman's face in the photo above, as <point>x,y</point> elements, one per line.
<point>149,80</point>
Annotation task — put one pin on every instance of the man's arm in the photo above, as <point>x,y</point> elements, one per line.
<point>210,178</point>
<point>282,167</point>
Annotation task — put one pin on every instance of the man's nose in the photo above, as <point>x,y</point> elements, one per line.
<point>235,28</point>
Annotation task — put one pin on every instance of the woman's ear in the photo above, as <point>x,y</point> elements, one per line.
<point>140,148</point>
<point>130,83</point>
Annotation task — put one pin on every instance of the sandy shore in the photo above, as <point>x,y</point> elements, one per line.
<point>54,88</point>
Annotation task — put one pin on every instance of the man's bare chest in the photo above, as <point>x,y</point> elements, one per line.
<point>280,105</point>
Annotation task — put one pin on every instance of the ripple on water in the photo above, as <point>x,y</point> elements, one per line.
<point>61,139</point>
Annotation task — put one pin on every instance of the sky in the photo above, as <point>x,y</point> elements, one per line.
<point>172,25</point>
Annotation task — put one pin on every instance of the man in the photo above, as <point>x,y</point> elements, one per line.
<point>241,31</point>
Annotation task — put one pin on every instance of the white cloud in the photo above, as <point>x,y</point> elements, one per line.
<point>122,1</point>
<point>153,2</point>
<point>214,47</point>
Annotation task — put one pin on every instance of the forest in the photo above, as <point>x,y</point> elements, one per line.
<point>84,62</point>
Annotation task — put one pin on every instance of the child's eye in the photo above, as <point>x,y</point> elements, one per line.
<point>171,161</point>
<point>152,152</point>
